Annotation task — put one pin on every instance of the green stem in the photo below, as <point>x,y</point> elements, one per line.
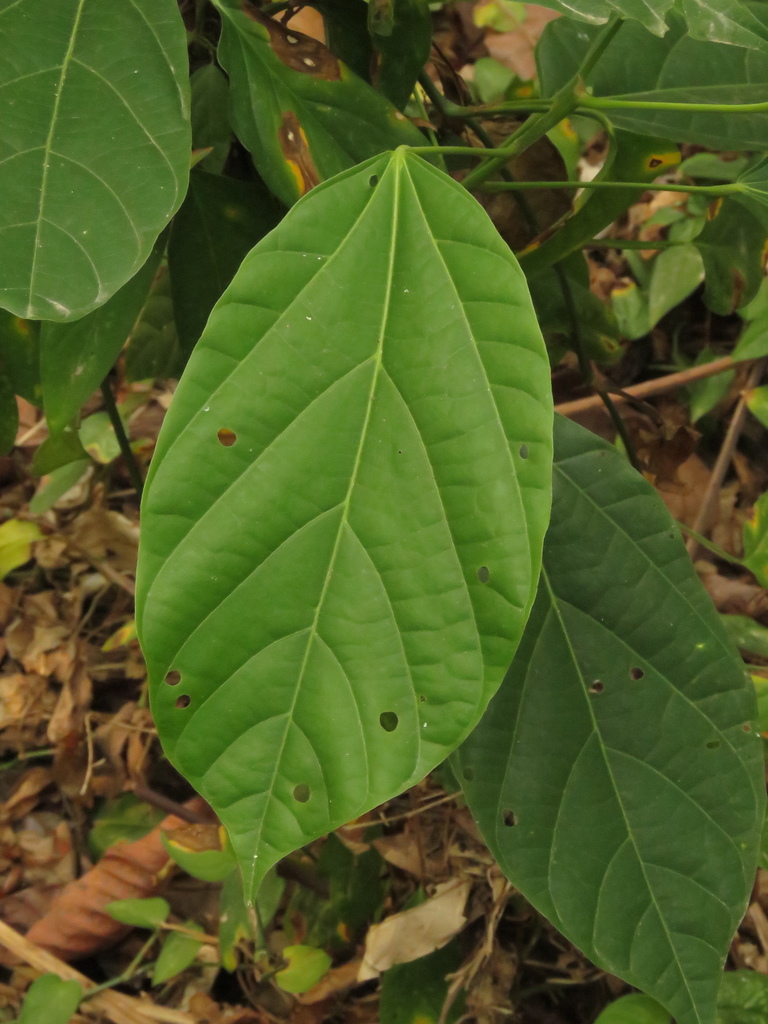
<point>122,438</point>
<point>626,243</point>
<point>32,755</point>
<point>603,103</point>
<point>134,968</point>
<point>710,546</point>
<point>563,103</point>
<point>642,186</point>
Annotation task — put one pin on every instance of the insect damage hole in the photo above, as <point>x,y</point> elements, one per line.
<point>226,437</point>
<point>469,774</point>
<point>636,673</point>
<point>484,574</point>
<point>509,818</point>
<point>183,701</point>
<point>597,687</point>
<point>373,181</point>
<point>301,793</point>
<point>713,744</point>
<point>388,721</point>
<point>173,678</point>
<point>523,451</point>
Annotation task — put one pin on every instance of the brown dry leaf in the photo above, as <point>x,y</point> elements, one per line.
<point>683,495</point>
<point>125,739</point>
<point>206,1011</point>
<point>733,596</point>
<point>338,979</point>
<point>45,845</point>
<point>74,701</point>
<point>77,925</point>
<point>24,798</point>
<point>402,850</point>
<point>24,700</point>
<point>102,534</point>
<point>516,50</point>
<point>415,933</point>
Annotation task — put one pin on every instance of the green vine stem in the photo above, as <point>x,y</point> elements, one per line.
<point>563,103</point>
<point>715,191</point>
<point>603,103</point>
<point>122,438</point>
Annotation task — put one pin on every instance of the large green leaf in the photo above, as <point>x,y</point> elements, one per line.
<point>303,115</point>
<point>219,222</point>
<point>343,519</point>
<point>616,776</point>
<point>721,21</point>
<point>639,66</point>
<point>94,147</point>
<point>76,357</point>
<point>401,31</point>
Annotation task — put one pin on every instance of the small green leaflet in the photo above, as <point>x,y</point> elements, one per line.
<point>343,520</point>
<point>94,147</point>
<point>617,776</point>
<point>50,1000</point>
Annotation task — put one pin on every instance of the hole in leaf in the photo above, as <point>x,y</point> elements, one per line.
<point>183,701</point>
<point>227,437</point>
<point>483,573</point>
<point>373,181</point>
<point>173,678</point>
<point>636,673</point>
<point>469,774</point>
<point>747,727</point>
<point>422,699</point>
<point>523,451</point>
<point>510,818</point>
<point>301,793</point>
<point>388,720</point>
<point>597,686</point>
<point>713,744</point>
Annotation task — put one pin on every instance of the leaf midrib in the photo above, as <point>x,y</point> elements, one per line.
<point>47,150</point>
<point>395,169</point>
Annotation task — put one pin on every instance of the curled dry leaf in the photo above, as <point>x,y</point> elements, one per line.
<point>24,797</point>
<point>415,933</point>
<point>77,925</point>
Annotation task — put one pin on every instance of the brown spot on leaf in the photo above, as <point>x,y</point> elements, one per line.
<point>295,50</point>
<point>293,143</point>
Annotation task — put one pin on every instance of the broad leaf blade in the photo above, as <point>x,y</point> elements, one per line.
<point>303,115</point>
<point>94,147</point>
<point>401,31</point>
<point>317,585</point>
<point>616,776</point>
<point>639,66</point>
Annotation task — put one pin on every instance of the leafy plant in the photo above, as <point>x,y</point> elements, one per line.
<point>340,580</point>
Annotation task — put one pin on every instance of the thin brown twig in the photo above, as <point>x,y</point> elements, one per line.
<point>724,457</point>
<point>648,388</point>
<point>164,803</point>
<point>446,798</point>
<point>115,1006</point>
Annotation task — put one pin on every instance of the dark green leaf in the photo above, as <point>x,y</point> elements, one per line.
<point>76,357</point>
<point>638,65</point>
<point>9,414</point>
<point>177,954</point>
<point>94,147</point>
<point>753,344</point>
<point>704,395</point>
<point>415,993</point>
<point>20,355</point>
<point>50,1000</point>
<point>346,32</point>
<point>360,446</point>
<point>616,776</point>
<point>235,918</point>
<point>210,116</point>
<point>676,274</point>
<point>153,348</point>
<point>731,246</point>
<point>402,43</point>
<point>303,116</point>
<point>220,221</point>
<point>757,403</point>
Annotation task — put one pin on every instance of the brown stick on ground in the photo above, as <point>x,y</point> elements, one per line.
<point>724,457</point>
<point>659,386</point>
<point>116,1006</point>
